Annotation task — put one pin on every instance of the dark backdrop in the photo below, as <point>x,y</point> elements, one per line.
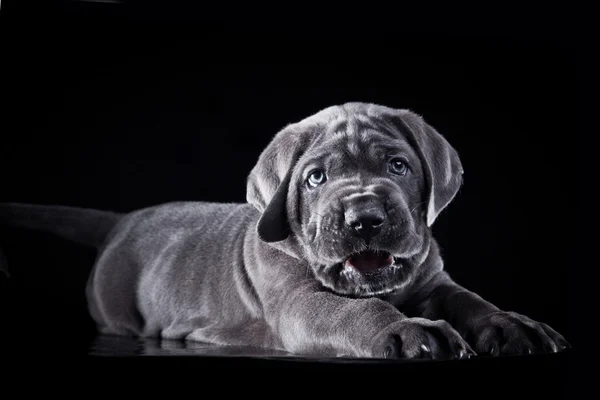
<point>108,112</point>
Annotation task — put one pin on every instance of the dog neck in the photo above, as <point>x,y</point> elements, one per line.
<point>290,246</point>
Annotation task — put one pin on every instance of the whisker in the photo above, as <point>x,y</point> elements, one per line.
<point>411,210</point>
<point>302,258</point>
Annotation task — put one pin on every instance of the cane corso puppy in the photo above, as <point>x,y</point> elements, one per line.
<point>331,255</point>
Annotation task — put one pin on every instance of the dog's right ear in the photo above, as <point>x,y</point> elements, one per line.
<point>268,183</point>
<point>441,162</point>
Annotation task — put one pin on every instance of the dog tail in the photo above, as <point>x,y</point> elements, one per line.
<point>84,226</point>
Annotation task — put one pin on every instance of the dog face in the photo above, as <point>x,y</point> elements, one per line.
<point>359,197</point>
<point>357,188</point>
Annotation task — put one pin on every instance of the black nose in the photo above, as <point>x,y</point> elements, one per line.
<point>366,223</point>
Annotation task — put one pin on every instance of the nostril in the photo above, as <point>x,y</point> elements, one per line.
<point>376,222</point>
<point>367,223</point>
<point>357,226</point>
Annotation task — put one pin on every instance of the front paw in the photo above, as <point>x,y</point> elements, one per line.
<point>509,333</point>
<point>420,338</point>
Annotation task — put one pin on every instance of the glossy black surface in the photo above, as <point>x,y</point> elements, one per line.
<point>156,362</point>
<point>118,346</point>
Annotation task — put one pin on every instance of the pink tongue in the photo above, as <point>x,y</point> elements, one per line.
<point>369,261</point>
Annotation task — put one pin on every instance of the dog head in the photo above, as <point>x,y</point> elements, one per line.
<point>355,188</point>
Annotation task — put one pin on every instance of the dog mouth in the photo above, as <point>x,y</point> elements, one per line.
<point>368,261</point>
<point>365,273</point>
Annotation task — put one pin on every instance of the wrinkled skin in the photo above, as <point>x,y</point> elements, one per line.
<point>331,255</point>
<point>351,150</point>
<point>358,177</point>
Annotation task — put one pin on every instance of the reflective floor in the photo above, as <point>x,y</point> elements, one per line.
<point>115,346</point>
<point>542,375</point>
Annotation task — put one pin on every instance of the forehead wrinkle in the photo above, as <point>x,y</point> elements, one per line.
<point>373,131</point>
<point>384,140</point>
<point>340,124</point>
<point>325,157</point>
<point>354,147</point>
<point>365,122</point>
<point>337,140</point>
<point>354,137</point>
<point>348,149</point>
<point>346,125</point>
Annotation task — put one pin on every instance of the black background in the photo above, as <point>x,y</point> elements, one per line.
<point>119,108</point>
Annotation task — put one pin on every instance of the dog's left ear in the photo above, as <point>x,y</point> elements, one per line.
<point>269,181</point>
<point>441,163</point>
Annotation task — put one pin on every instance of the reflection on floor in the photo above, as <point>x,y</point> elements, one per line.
<point>117,346</point>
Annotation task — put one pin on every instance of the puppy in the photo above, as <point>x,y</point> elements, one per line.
<point>331,255</point>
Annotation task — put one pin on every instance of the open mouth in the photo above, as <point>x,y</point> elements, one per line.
<point>369,261</point>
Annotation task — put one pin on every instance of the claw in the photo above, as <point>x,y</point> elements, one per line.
<point>461,354</point>
<point>387,353</point>
<point>493,350</point>
<point>425,348</point>
<point>562,346</point>
<point>565,344</point>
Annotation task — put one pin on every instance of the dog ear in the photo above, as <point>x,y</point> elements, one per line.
<point>268,184</point>
<point>441,162</point>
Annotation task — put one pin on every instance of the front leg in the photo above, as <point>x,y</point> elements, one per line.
<point>310,321</point>
<point>489,330</point>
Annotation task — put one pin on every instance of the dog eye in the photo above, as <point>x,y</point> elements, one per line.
<point>316,178</point>
<point>398,166</point>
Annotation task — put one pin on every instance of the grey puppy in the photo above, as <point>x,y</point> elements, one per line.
<point>331,255</point>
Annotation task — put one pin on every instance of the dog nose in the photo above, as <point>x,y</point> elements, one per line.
<point>366,223</point>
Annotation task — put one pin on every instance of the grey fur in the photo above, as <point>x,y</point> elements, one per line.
<point>269,273</point>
